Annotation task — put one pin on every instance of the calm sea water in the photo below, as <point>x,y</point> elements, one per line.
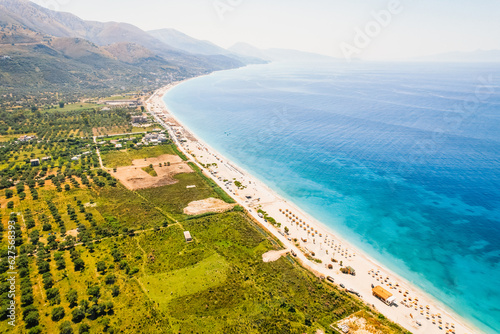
<point>403,160</point>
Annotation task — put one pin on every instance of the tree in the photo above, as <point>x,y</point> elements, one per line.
<point>58,313</point>
<point>94,291</point>
<point>10,205</point>
<point>286,230</point>
<point>35,330</point>
<point>32,318</point>
<point>9,193</point>
<point>48,282</point>
<point>115,291</point>
<point>61,104</point>
<point>108,306</point>
<point>65,328</point>
<point>110,279</point>
<point>77,315</point>
<point>27,299</point>
<point>72,297</point>
<point>43,266</point>
<point>93,312</point>
<point>79,264</point>
<point>101,266</point>
<point>53,293</point>
<point>60,264</point>
<point>83,329</point>
<point>34,236</point>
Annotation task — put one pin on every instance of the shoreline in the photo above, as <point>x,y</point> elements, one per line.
<point>313,236</point>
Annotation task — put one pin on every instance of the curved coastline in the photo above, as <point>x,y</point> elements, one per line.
<point>463,323</point>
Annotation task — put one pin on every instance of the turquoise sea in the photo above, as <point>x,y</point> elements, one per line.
<point>401,159</point>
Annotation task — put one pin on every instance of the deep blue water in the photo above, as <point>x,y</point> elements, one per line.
<point>401,159</point>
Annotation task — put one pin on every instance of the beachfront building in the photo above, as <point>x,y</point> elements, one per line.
<point>139,119</point>
<point>124,103</point>
<point>154,138</point>
<point>383,295</point>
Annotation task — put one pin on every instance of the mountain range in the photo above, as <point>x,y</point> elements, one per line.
<point>45,49</point>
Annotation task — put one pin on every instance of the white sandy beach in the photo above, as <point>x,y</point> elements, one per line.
<point>415,310</point>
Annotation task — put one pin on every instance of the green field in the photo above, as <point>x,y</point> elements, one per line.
<point>78,106</point>
<point>174,198</point>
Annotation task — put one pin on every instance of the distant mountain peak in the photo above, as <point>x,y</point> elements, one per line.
<point>276,54</point>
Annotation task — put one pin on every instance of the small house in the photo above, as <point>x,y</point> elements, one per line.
<point>35,162</point>
<point>187,236</point>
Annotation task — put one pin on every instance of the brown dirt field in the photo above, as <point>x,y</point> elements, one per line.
<point>72,232</point>
<point>173,159</point>
<point>133,177</point>
<point>207,205</point>
<point>272,256</point>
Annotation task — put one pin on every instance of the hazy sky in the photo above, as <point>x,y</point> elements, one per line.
<point>332,27</point>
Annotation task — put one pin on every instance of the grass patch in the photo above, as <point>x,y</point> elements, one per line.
<point>129,210</point>
<point>206,274</point>
<point>179,153</point>
<point>150,170</point>
<point>220,192</point>
<point>114,159</point>
<point>175,197</point>
<point>77,106</point>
